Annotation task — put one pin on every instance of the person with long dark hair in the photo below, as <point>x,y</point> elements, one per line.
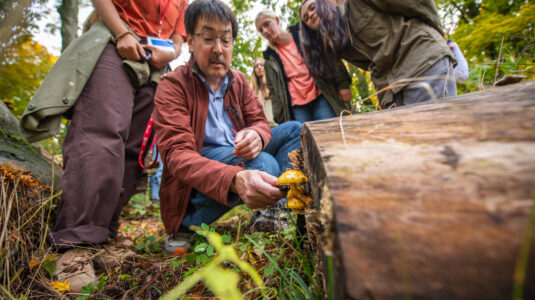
<point>260,88</point>
<point>294,92</point>
<point>400,42</point>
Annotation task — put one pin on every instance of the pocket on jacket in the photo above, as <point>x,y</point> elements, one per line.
<point>359,15</point>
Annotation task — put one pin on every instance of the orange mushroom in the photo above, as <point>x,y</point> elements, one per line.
<point>295,194</point>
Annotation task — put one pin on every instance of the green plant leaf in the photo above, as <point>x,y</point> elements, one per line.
<point>269,270</point>
<point>223,282</point>
<point>200,248</point>
<point>125,277</point>
<point>140,246</point>
<point>102,282</point>
<point>210,250</point>
<point>226,239</point>
<point>50,267</point>
<point>88,289</point>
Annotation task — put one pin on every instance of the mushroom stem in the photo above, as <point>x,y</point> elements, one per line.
<point>298,193</point>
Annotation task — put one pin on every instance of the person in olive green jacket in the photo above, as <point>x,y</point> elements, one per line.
<point>295,94</point>
<point>400,42</point>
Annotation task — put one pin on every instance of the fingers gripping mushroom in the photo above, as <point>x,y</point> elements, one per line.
<point>296,197</point>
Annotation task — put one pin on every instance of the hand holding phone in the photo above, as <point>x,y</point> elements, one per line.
<point>148,54</point>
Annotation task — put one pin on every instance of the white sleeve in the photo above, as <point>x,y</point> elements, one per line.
<point>461,70</point>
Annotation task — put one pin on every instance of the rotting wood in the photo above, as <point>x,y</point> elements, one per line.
<point>428,201</point>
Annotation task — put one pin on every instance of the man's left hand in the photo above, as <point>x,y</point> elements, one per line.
<point>248,144</point>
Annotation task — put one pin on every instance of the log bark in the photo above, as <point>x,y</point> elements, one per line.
<point>429,201</point>
<point>15,150</point>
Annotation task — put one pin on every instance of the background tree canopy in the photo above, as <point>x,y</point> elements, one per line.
<point>17,19</point>
<point>497,38</point>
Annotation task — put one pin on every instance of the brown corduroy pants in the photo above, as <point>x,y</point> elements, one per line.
<point>100,153</point>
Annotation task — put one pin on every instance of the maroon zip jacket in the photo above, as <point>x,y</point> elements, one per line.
<point>180,112</point>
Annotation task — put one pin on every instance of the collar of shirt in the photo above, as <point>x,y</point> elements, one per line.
<point>222,87</point>
<point>218,127</point>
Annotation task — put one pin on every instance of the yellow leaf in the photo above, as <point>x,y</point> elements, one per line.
<point>61,286</point>
<point>251,259</point>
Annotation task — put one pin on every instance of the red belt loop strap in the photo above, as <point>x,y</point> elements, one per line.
<point>144,142</point>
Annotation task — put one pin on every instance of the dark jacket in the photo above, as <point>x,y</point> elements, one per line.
<point>393,39</point>
<point>180,112</point>
<point>278,83</point>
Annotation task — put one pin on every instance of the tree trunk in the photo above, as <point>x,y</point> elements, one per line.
<point>430,201</point>
<point>15,150</point>
<point>68,11</point>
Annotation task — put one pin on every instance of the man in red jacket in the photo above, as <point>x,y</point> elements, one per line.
<point>215,141</point>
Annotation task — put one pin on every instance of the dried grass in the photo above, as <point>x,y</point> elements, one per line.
<point>26,210</point>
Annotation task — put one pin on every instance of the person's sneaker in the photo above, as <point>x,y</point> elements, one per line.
<point>181,240</point>
<point>75,267</point>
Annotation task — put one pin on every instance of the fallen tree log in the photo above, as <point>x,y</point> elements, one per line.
<point>431,201</point>
<point>17,152</point>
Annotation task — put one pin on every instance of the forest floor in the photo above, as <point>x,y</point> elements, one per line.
<point>281,260</point>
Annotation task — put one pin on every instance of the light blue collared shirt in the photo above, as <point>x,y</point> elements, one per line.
<point>218,128</point>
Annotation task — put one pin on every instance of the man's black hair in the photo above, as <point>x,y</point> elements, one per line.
<point>211,11</point>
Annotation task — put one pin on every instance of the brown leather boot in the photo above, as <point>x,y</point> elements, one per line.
<point>76,267</point>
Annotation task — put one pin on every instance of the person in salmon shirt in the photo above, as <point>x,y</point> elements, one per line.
<point>294,92</point>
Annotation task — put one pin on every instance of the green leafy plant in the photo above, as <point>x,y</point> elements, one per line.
<point>149,244</point>
<point>222,282</point>
<point>92,288</point>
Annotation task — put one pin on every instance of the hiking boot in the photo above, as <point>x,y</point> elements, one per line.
<point>75,267</point>
<point>269,220</point>
<point>180,240</point>
<point>112,256</point>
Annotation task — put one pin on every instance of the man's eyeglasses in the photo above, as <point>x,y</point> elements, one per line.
<point>209,39</point>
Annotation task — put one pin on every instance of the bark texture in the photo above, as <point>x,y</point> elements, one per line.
<point>431,201</point>
<point>15,150</point>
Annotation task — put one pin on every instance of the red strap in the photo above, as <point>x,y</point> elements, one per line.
<point>146,137</point>
<point>162,15</point>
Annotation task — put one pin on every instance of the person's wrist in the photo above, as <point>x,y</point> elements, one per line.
<point>233,183</point>
<point>122,35</point>
<point>261,139</point>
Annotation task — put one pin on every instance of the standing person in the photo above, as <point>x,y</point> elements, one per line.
<point>394,40</point>
<point>216,143</point>
<point>295,94</point>
<point>461,69</point>
<point>260,88</point>
<point>108,82</point>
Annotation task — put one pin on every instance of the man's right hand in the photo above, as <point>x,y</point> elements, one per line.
<point>256,188</point>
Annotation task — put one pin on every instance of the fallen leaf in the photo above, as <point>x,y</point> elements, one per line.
<point>180,252</point>
<point>61,286</point>
<point>32,263</point>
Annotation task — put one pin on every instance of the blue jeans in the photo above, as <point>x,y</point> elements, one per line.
<point>156,179</point>
<point>273,160</point>
<point>318,109</point>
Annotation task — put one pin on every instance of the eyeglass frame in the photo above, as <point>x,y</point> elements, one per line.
<point>212,43</point>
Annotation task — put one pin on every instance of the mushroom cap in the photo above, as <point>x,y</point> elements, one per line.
<point>294,203</point>
<point>291,176</point>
